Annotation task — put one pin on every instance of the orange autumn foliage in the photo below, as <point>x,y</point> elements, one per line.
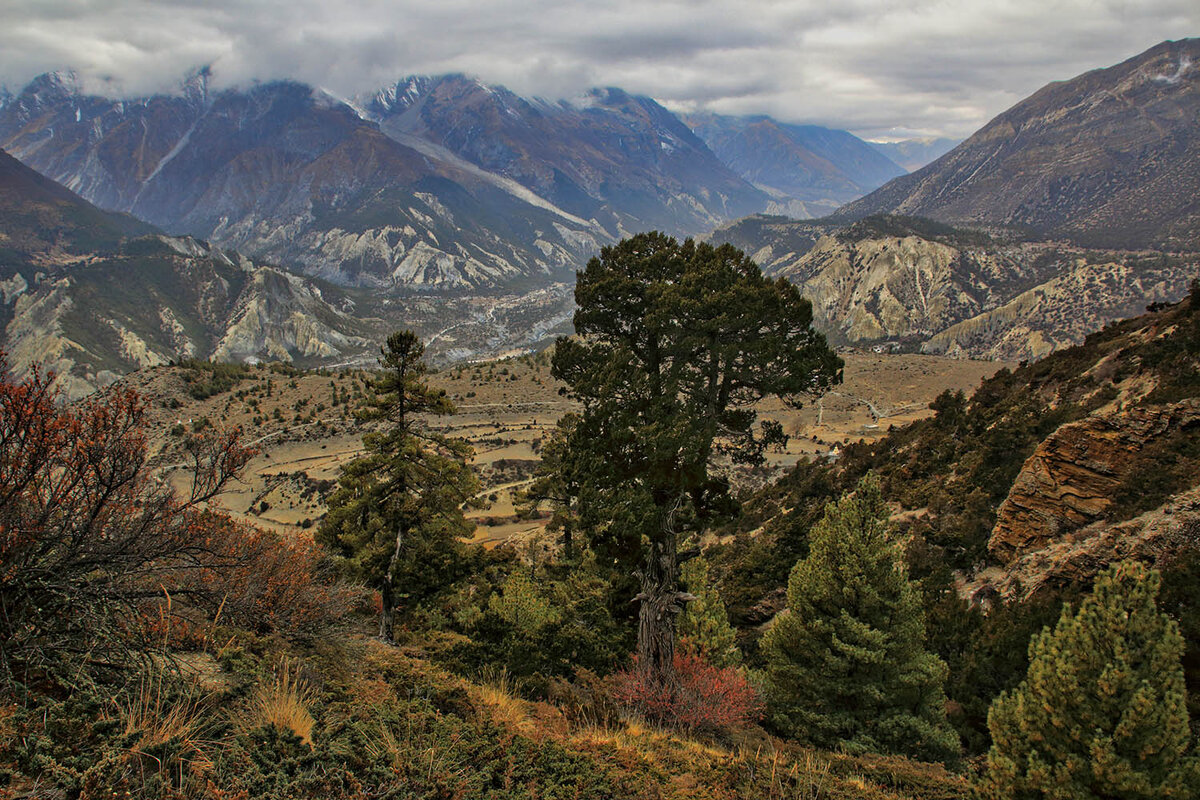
<point>91,539</point>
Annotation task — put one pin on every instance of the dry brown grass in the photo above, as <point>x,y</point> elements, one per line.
<point>497,699</point>
<point>154,716</point>
<point>282,703</point>
<point>416,755</point>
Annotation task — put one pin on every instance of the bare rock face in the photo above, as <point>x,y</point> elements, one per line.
<point>1151,537</point>
<point>888,280</point>
<point>887,287</point>
<point>1069,481</point>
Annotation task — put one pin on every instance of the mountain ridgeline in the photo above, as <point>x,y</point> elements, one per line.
<point>808,170</point>
<point>1107,159</point>
<point>431,184</point>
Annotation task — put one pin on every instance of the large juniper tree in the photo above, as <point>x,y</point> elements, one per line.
<point>676,342</point>
<point>396,515</point>
<point>846,662</point>
<point>1103,710</point>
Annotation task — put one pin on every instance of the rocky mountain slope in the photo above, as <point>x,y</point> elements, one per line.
<point>1075,475</point>
<point>292,175</point>
<point>808,170</point>
<point>1038,479</point>
<point>911,282</point>
<point>437,183</point>
<point>620,161</point>
<point>91,295</point>
<point>1110,158</point>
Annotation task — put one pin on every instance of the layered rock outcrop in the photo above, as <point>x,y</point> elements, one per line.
<point>1076,560</point>
<point>1070,479</point>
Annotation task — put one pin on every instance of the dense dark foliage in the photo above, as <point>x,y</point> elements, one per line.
<point>954,469</point>
<point>676,344</point>
<point>396,517</point>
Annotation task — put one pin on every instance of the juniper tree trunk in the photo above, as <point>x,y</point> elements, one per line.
<point>661,605</point>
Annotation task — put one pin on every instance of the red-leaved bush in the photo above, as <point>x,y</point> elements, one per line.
<point>703,697</point>
<point>269,582</point>
<point>94,542</point>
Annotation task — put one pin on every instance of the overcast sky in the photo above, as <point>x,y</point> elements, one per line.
<point>877,67</point>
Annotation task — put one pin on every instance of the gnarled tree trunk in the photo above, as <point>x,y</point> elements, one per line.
<point>661,604</point>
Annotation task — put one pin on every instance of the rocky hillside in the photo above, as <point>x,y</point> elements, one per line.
<point>1048,455</point>
<point>92,295</point>
<point>1076,474</point>
<point>1013,498</point>
<point>1108,159</point>
<point>913,283</point>
<point>808,170</point>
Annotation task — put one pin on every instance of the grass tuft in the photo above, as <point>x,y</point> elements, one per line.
<point>283,703</point>
<point>166,730</point>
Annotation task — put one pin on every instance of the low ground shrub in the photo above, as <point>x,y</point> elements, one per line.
<point>704,698</point>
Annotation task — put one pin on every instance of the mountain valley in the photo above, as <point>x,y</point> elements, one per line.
<point>369,446</point>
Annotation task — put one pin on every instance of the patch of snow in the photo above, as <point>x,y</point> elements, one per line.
<point>439,153</point>
<point>13,287</point>
<point>162,162</point>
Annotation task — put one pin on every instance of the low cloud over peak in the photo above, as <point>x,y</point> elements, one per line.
<point>874,66</point>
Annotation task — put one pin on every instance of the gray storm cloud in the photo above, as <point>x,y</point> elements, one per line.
<point>925,66</point>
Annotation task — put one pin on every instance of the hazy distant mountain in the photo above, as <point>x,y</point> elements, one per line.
<point>290,174</point>
<point>621,161</point>
<point>1110,158</point>
<point>436,183</point>
<point>808,170</point>
<point>912,154</point>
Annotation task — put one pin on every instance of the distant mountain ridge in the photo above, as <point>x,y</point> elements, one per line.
<point>1110,158</point>
<point>912,154</point>
<point>621,161</point>
<point>433,183</point>
<point>292,175</point>
<point>439,183</point>
<point>808,170</point>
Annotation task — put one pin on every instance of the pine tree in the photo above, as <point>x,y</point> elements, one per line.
<point>1102,711</point>
<point>522,605</point>
<point>846,663</point>
<point>396,518</point>
<point>704,624</point>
